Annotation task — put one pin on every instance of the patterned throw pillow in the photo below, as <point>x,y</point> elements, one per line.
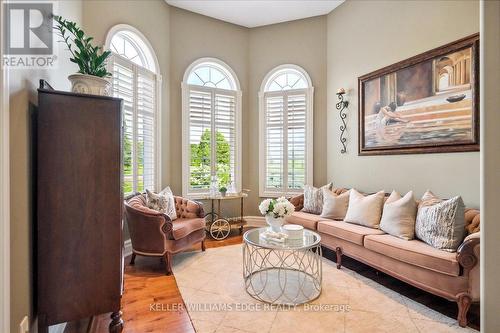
<point>441,223</point>
<point>313,198</point>
<point>163,202</point>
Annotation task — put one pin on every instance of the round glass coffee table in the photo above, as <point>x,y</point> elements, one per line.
<point>287,273</point>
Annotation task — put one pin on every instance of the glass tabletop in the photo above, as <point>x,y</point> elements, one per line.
<point>308,240</point>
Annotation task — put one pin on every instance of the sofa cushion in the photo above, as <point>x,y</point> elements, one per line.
<point>414,252</point>
<point>307,220</point>
<point>185,226</point>
<point>347,231</point>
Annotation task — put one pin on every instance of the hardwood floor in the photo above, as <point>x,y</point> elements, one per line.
<point>146,283</point>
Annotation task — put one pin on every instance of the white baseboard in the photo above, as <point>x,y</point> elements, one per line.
<point>127,248</point>
<point>59,328</point>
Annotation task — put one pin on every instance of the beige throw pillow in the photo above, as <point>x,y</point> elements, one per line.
<point>334,205</point>
<point>399,214</point>
<point>441,223</point>
<point>365,210</point>
<point>313,198</point>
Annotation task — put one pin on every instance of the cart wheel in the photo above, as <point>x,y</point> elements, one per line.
<point>211,217</point>
<point>220,229</point>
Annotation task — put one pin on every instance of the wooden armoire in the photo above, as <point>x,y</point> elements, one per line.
<point>78,232</point>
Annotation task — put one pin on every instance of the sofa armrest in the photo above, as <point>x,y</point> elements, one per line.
<point>148,230</point>
<point>468,257</point>
<point>466,253</point>
<point>298,202</point>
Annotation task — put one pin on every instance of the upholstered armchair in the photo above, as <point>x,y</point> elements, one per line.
<point>154,234</point>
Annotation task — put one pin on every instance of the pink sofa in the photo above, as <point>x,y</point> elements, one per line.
<point>454,276</point>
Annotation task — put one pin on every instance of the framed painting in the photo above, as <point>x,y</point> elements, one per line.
<point>425,104</point>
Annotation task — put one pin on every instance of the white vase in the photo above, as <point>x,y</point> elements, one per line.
<point>275,222</point>
<point>89,84</point>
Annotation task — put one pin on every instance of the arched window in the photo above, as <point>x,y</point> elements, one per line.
<point>286,125</point>
<point>136,79</point>
<point>211,104</point>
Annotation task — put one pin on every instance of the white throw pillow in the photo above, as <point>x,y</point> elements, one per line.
<point>365,210</point>
<point>334,205</point>
<point>163,202</point>
<point>313,198</point>
<point>399,214</point>
<point>441,223</point>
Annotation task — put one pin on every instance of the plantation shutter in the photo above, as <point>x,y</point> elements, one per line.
<point>285,126</point>
<point>146,129</point>
<point>137,87</point>
<point>200,123</point>
<point>225,125</point>
<point>296,111</point>
<point>275,143</point>
<point>212,117</point>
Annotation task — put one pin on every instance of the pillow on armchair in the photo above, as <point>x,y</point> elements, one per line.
<point>163,202</point>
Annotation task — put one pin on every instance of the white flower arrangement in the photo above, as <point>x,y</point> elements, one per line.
<point>277,208</point>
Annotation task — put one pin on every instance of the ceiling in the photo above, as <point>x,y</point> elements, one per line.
<point>257,13</point>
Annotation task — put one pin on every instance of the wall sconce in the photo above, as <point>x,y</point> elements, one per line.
<point>341,106</point>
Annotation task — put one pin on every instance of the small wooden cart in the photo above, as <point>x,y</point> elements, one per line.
<point>219,226</point>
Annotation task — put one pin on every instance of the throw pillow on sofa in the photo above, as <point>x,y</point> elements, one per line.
<point>441,223</point>
<point>313,198</point>
<point>365,210</point>
<point>334,205</point>
<point>163,202</point>
<point>398,215</point>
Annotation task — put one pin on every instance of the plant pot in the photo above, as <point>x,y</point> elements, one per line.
<point>275,222</point>
<point>223,194</point>
<point>89,84</point>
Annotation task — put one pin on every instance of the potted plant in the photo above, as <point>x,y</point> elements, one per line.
<point>91,60</point>
<point>223,191</point>
<point>275,211</point>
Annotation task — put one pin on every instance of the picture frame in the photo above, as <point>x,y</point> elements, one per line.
<point>428,103</point>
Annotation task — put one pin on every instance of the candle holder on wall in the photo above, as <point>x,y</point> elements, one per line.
<point>341,106</point>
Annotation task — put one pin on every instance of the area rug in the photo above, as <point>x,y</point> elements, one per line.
<point>212,287</point>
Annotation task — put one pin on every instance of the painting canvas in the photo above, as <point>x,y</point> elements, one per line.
<point>427,103</point>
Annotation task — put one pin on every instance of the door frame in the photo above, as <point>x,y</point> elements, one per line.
<point>4,193</point>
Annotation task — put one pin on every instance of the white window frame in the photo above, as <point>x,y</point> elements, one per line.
<point>186,191</point>
<point>309,92</point>
<point>158,115</point>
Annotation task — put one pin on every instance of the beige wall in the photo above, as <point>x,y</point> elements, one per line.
<point>251,53</point>
<point>193,36</point>
<point>490,170</point>
<point>302,43</point>
<point>151,18</point>
<point>367,35</point>
<point>22,86</point>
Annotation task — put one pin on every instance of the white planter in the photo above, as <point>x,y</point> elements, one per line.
<point>89,84</point>
<point>275,223</point>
